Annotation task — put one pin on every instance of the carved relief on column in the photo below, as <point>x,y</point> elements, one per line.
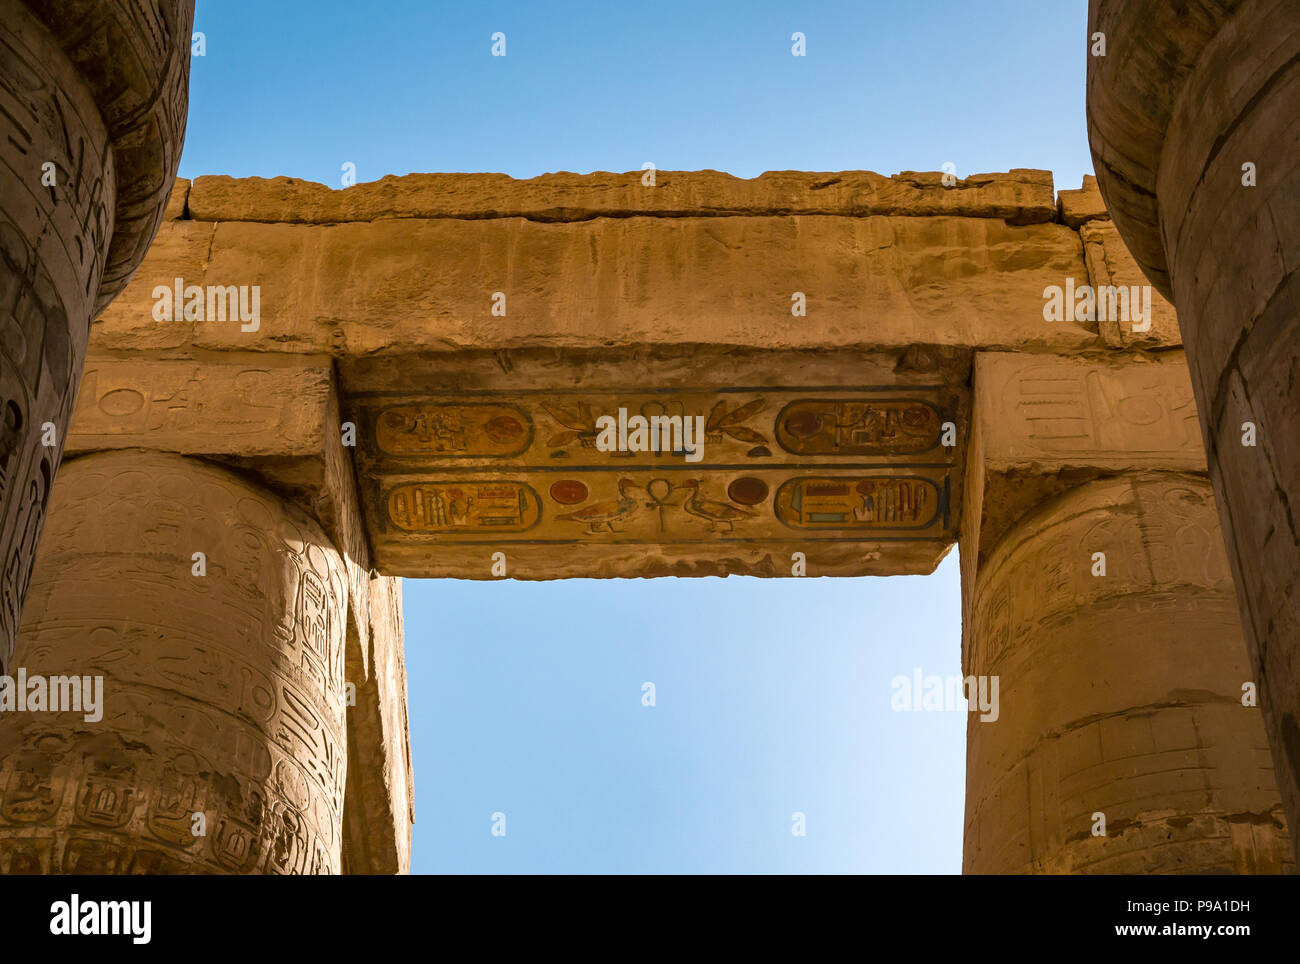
<point>92,116</point>
<point>222,692</point>
<point>53,243</point>
<point>1120,693</point>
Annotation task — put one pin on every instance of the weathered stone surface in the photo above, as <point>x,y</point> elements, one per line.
<point>181,250</point>
<point>275,416</point>
<point>1119,695</point>
<point>768,558</point>
<point>1158,739</point>
<point>675,368</point>
<point>176,202</point>
<point>380,807</point>
<point>1194,132</point>
<point>329,485</point>
<point>381,797</point>
<point>1078,207</point>
<point>1019,196</point>
<point>222,692</point>
<point>1110,264</point>
<point>419,285</point>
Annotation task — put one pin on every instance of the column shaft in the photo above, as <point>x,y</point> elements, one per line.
<point>222,680</point>
<point>92,115</point>
<point>1120,694</point>
<point>1234,258</point>
<point>1194,119</point>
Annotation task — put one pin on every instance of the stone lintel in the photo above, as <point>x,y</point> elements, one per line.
<point>768,559</point>
<point>1019,196</point>
<point>686,367</point>
<point>846,459</point>
<point>410,285</point>
<point>412,264</point>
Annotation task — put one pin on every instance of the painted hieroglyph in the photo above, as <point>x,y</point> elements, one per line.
<point>822,464</point>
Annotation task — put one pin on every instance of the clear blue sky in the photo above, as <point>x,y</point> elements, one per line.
<point>772,696</point>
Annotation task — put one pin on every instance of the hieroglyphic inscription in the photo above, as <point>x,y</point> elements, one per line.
<point>1065,408</point>
<point>236,407</point>
<point>133,59</point>
<point>865,427</point>
<point>642,506</point>
<point>1023,587</point>
<point>537,468</point>
<point>860,503</point>
<point>770,426</point>
<point>224,692</point>
<point>53,244</point>
<point>483,506</point>
<point>450,430</point>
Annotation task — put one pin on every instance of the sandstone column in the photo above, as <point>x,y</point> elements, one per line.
<point>92,116</point>
<point>1094,587</point>
<point>1120,694</point>
<point>1193,118</point>
<point>222,684</point>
